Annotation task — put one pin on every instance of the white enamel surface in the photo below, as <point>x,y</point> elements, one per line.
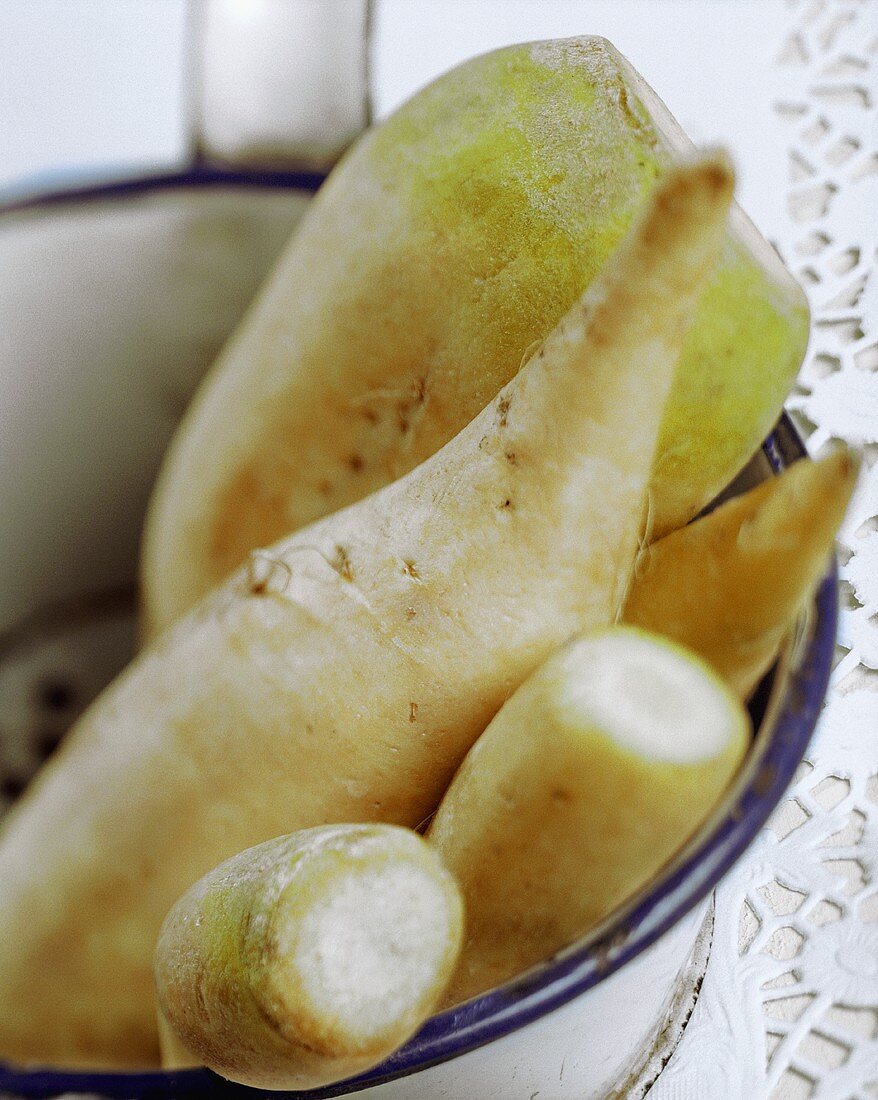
<point>580,1051</point>
<point>109,315</point>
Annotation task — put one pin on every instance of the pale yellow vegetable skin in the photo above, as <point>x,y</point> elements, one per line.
<point>731,584</point>
<point>453,237</point>
<point>589,779</point>
<point>344,675</point>
<point>309,958</point>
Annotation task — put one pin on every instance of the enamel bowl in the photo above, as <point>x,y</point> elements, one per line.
<point>113,301</point>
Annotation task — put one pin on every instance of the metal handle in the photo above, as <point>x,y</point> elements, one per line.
<point>279,83</point>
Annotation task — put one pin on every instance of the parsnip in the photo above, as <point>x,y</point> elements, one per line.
<point>308,958</point>
<point>730,584</point>
<point>449,240</point>
<point>344,675</point>
<point>587,781</point>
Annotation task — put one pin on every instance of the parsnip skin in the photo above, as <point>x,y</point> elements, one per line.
<point>174,1054</point>
<point>564,807</point>
<point>730,584</point>
<point>344,676</point>
<point>308,958</point>
<point>450,240</point>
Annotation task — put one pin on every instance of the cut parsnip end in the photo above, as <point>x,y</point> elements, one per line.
<point>587,781</point>
<point>630,688</point>
<point>309,958</point>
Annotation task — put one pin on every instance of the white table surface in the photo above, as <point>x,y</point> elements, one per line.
<point>789,1006</point>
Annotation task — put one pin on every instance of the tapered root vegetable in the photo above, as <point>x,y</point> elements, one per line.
<point>344,675</point>
<point>587,781</point>
<point>451,239</point>
<point>730,584</point>
<point>308,958</point>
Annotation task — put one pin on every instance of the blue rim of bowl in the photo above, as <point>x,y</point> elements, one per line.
<point>771,765</point>
<point>58,189</point>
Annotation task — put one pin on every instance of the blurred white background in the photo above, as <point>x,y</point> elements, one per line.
<point>91,85</point>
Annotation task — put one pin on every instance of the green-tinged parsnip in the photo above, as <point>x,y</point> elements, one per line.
<point>308,958</point>
<point>730,584</point>
<point>589,779</point>
<point>448,241</point>
<point>343,675</point>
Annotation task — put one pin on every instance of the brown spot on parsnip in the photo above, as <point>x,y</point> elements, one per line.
<point>341,563</point>
<point>47,741</point>
<point>503,410</point>
<point>413,712</point>
<point>55,693</point>
<point>11,786</point>
<point>265,573</point>
<point>408,567</point>
<point>355,463</point>
<point>250,511</point>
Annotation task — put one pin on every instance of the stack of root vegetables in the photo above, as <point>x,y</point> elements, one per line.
<point>517,344</point>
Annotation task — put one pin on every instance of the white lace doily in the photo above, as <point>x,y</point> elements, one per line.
<point>789,1004</point>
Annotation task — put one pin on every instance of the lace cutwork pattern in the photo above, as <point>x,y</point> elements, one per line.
<point>789,1005</point>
